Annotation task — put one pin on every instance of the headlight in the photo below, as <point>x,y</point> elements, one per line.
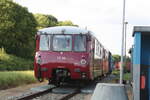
<point>83,75</point>
<point>37,55</point>
<point>38,58</point>
<point>83,62</point>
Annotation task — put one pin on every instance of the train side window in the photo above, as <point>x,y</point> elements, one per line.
<point>44,42</point>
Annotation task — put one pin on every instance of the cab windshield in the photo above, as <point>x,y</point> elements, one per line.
<point>44,42</point>
<point>80,43</point>
<point>62,43</point>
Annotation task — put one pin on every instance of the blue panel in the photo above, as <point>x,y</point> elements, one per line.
<point>149,82</point>
<point>145,58</point>
<point>137,48</point>
<point>145,50</point>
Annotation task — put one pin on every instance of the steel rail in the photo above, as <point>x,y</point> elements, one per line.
<point>34,95</point>
<point>67,97</point>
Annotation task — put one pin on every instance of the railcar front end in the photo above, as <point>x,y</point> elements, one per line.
<point>62,56</point>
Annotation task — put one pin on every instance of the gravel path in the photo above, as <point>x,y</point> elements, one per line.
<point>52,96</point>
<point>10,93</point>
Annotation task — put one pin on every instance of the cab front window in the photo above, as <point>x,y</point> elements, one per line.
<point>44,42</point>
<point>62,43</point>
<point>80,43</point>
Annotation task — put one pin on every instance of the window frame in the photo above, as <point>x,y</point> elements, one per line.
<point>50,41</point>
<point>52,38</point>
<point>85,42</point>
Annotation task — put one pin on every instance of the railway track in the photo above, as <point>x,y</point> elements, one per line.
<point>67,96</point>
<point>34,95</point>
<point>41,93</point>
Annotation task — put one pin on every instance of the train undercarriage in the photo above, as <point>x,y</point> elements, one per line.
<point>61,76</point>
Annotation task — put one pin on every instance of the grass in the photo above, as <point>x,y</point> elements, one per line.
<point>10,79</point>
<point>116,72</point>
<point>10,62</point>
<point>127,76</point>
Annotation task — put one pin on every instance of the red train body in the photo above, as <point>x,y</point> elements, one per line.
<point>67,53</point>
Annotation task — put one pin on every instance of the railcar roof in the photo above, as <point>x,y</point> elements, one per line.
<point>63,30</point>
<point>141,29</point>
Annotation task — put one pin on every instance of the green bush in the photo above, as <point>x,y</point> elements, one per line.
<point>11,62</point>
<point>116,72</point>
<point>127,76</point>
<point>15,78</point>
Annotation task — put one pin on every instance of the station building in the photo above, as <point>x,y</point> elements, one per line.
<point>141,63</point>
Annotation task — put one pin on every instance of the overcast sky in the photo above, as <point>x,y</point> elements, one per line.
<point>103,17</point>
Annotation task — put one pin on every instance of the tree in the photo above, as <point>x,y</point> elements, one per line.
<point>45,20</point>
<point>17,29</point>
<point>116,58</point>
<point>66,23</point>
<point>128,59</point>
<point>49,21</point>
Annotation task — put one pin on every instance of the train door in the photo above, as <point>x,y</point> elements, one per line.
<point>103,61</point>
<point>91,53</point>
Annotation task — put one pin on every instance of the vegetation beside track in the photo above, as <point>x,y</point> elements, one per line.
<point>116,72</point>
<point>11,63</point>
<point>10,79</point>
<point>126,76</point>
<point>12,71</point>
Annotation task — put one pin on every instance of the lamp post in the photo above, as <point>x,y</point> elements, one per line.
<point>122,46</point>
<point>125,41</point>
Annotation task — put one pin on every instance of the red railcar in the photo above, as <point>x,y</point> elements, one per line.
<point>65,53</point>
